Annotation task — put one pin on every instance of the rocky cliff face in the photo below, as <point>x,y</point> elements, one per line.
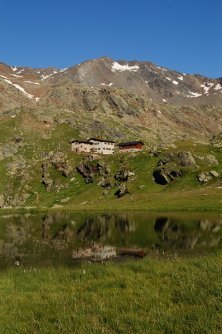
<point>162,85</point>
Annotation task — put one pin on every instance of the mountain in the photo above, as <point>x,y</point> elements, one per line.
<point>42,110</point>
<point>143,78</point>
<point>117,99</point>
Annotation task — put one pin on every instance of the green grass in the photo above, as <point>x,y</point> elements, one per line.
<point>185,193</point>
<point>152,296</point>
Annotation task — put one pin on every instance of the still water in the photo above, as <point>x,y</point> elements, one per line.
<point>47,239</point>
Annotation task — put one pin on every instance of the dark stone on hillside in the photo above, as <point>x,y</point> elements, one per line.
<point>17,139</point>
<point>160,177</point>
<point>105,183</point>
<point>123,190</point>
<point>122,176</point>
<point>86,171</point>
<point>103,169</point>
<point>186,159</point>
<point>170,166</point>
<point>164,176</point>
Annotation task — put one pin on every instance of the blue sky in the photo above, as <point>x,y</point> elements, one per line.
<point>179,34</point>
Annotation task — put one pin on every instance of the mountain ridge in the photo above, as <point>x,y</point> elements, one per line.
<point>157,83</point>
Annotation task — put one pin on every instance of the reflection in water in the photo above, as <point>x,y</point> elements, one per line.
<point>95,253</point>
<point>50,239</point>
<point>101,227</point>
<point>175,235</point>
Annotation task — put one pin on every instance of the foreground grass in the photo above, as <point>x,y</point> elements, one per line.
<point>148,296</point>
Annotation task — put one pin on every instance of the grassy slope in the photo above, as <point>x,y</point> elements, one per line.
<point>183,194</point>
<point>148,296</point>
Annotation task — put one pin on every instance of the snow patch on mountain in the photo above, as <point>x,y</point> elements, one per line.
<point>14,68</point>
<point>108,85</point>
<point>180,77</point>
<point>16,75</point>
<point>20,88</point>
<point>121,68</point>
<point>161,68</point>
<point>206,87</point>
<point>175,82</point>
<point>32,82</point>
<point>194,94</point>
<point>19,72</point>
<point>217,87</point>
<point>46,76</point>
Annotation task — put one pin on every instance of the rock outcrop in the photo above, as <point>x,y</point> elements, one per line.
<point>171,166</point>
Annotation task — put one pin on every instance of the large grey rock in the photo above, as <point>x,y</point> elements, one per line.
<point>91,99</point>
<point>86,170</point>
<point>204,177</point>
<point>171,165</point>
<point>214,173</point>
<point>122,190</point>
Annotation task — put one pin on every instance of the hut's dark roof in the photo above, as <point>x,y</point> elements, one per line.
<point>80,141</point>
<point>130,143</point>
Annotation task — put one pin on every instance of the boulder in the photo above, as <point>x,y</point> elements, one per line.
<point>204,177</point>
<point>105,183</point>
<point>171,165</point>
<point>123,175</point>
<point>122,190</point>
<point>186,159</point>
<point>164,175</point>
<point>214,173</point>
<point>91,99</point>
<point>86,171</point>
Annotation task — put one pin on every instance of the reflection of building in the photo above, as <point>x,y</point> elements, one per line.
<point>94,145</point>
<point>95,253</point>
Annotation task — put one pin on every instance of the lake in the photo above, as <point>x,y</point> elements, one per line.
<point>68,238</point>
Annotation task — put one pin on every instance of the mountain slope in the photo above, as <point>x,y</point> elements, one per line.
<point>142,78</point>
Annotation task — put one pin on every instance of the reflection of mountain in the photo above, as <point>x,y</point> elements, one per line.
<point>102,227</point>
<point>59,238</point>
<point>174,235</point>
<point>53,237</point>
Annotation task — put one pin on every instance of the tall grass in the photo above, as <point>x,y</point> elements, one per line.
<point>149,296</point>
